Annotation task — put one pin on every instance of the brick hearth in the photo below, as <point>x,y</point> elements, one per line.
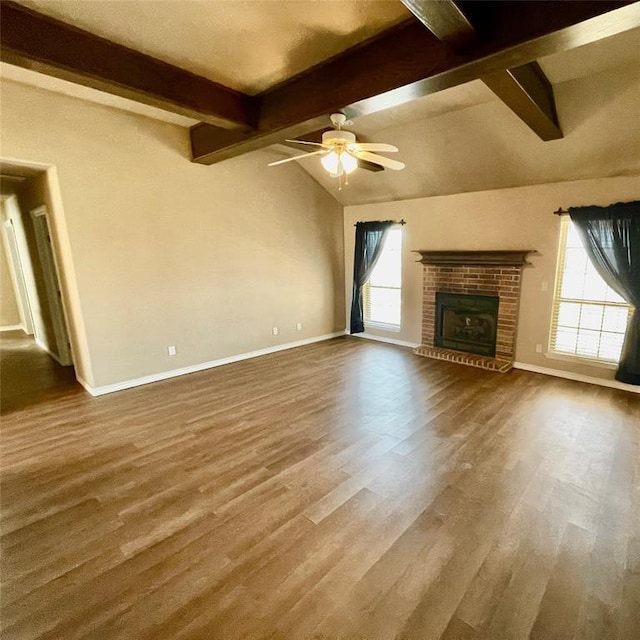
<point>452,275</point>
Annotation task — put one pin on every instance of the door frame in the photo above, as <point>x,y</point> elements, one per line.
<point>64,256</point>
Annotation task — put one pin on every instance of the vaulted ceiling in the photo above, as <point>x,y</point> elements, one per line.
<point>477,95</point>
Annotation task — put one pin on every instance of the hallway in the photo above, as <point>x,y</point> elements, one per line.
<point>28,375</point>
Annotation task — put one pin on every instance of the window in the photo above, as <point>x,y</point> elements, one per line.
<point>589,318</point>
<point>381,293</point>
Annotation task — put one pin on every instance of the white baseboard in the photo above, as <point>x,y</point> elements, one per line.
<point>174,373</point>
<point>87,387</point>
<point>578,377</point>
<point>370,336</point>
<point>12,327</point>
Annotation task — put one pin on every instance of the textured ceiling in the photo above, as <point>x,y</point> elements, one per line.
<point>246,45</point>
<point>464,139</point>
<point>620,50</point>
<point>459,140</point>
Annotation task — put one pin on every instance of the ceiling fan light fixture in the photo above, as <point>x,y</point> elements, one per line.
<point>338,163</point>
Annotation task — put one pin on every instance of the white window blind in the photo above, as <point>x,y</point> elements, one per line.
<point>589,318</point>
<point>382,292</point>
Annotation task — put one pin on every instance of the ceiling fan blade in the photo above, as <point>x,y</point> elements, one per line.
<point>369,166</point>
<point>302,155</point>
<point>373,146</point>
<point>314,144</point>
<point>381,160</point>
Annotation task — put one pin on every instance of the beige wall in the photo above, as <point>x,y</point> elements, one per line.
<point>519,218</point>
<point>167,252</point>
<point>9,313</point>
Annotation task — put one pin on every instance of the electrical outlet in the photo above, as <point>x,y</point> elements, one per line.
<point>544,286</point>
<point>298,326</point>
<point>275,331</point>
<point>171,350</point>
<point>538,348</point>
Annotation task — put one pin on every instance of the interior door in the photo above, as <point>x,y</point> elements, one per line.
<point>52,284</point>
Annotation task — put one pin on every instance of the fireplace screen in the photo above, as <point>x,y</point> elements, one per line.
<point>467,323</point>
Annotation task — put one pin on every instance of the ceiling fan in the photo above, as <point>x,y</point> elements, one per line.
<point>339,152</point>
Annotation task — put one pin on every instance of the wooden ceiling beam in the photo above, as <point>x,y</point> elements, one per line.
<point>34,41</point>
<point>444,19</point>
<point>529,94</point>
<point>408,62</point>
<point>525,89</point>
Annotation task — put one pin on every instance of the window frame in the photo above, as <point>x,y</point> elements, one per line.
<point>552,352</point>
<point>375,324</point>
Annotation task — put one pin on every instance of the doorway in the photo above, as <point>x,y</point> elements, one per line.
<point>16,273</point>
<point>43,330</point>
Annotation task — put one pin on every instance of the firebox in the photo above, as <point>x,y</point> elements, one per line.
<point>466,322</point>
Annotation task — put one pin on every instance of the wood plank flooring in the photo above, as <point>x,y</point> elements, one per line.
<point>345,489</point>
<point>28,375</point>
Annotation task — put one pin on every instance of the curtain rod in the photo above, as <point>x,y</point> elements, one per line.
<point>397,222</point>
<point>560,212</point>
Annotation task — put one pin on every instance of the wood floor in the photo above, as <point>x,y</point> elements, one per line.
<point>346,489</point>
<point>28,375</point>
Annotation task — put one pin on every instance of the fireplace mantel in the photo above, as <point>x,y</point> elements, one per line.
<point>508,258</point>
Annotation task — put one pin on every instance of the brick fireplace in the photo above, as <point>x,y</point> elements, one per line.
<point>473,275</point>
